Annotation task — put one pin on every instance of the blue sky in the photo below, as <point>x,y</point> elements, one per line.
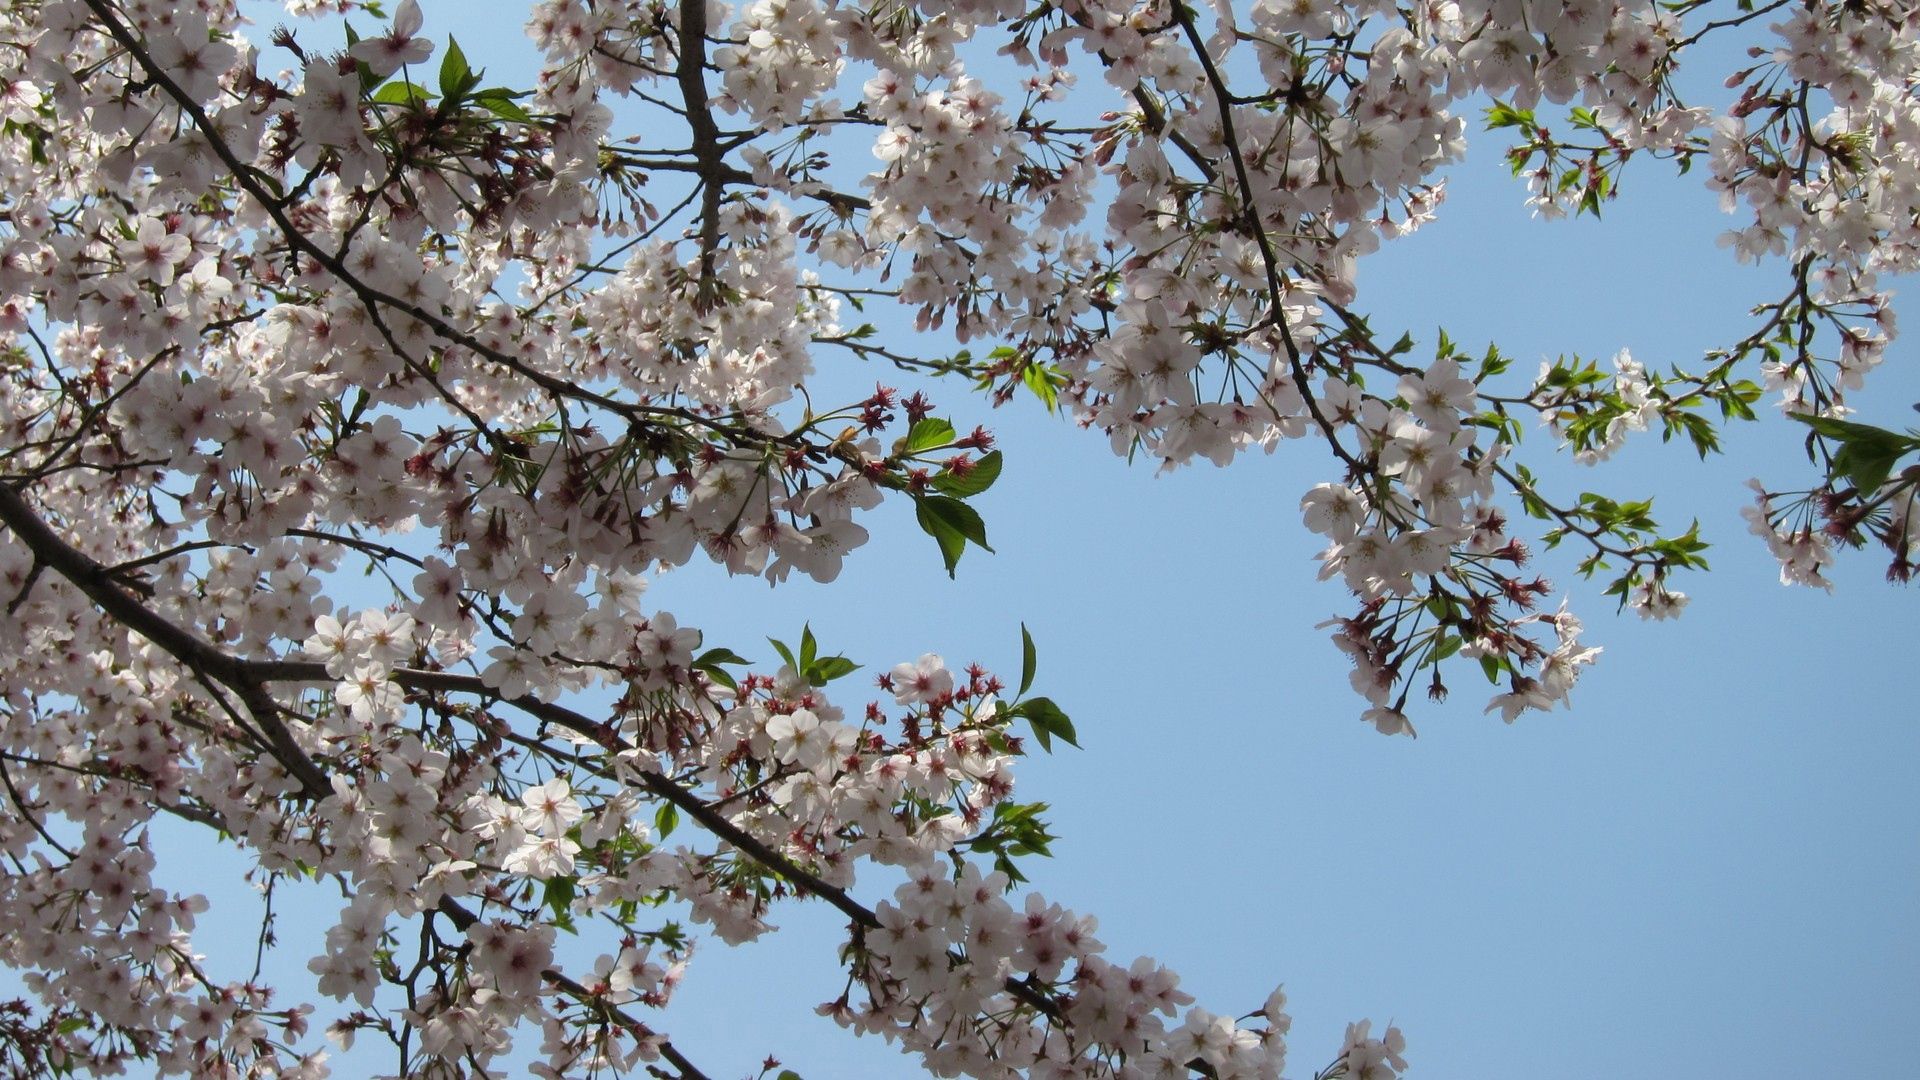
<point>1708,866</point>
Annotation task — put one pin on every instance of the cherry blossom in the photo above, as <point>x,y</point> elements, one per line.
<point>399,46</point>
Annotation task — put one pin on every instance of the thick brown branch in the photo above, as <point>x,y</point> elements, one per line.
<point>707,152</point>
<point>97,582</point>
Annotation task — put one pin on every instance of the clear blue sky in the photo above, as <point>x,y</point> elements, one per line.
<point>1707,867</point>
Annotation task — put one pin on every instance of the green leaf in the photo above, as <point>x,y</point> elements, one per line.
<point>961,516</point>
<point>1867,468</point>
<point>1844,430</point>
<point>501,102</point>
<point>787,1074</point>
<point>809,648</point>
<point>401,92</point>
<point>456,78</point>
<point>927,434</point>
<point>1048,722</point>
<point>558,898</point>
<point>978,478</point>
<point>1699,430</point>
<point>1029,661</point>
<point>1491,665</point>
<point>828,668</point>
<point>785,654</point>
<point>952,523</point>
<point>710,662</point>
<point>952,542</point>
<point>1502,115</point>
<point>1867,454</point>
<point>1494,363</point>
<point>665,820</point>
<point>1039,379</point>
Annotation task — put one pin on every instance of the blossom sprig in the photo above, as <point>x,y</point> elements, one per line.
<point>1868,495</point>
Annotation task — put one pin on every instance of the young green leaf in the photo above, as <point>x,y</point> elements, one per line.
<point>558,898</point>
<point>501,102</point>
<point>1867,454</point>
<point>927,434</point>
<point>456,78</point>
<point>977,478</point>
<point>710,662</point>
<point>952,542</point>
<point>828,668</point>
<point>1038,379</point>
<point>963,518</point>
<point>1048,722</point>
<point>1491,665</point>
<point>401,92</point>
<point>952,524</point>
<point>1028,660</point>
<point>719,656</point>
<point>785,653</point>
